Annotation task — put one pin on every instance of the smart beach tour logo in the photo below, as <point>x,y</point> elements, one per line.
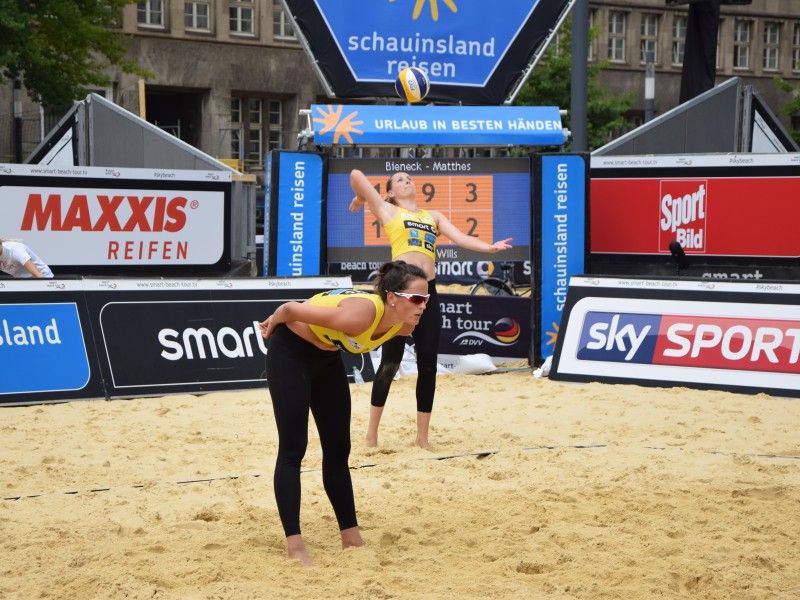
<point>503,332</point>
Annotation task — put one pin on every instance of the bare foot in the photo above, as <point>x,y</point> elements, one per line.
<point>296,550</point>
<point>372,442</point>
<point>425,445</point>
<point>351,538</point>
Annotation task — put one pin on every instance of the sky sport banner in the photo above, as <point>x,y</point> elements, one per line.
<point>741,337</point>
<point>118,218</point>
<point>472,51</point>
<point>373,125</point>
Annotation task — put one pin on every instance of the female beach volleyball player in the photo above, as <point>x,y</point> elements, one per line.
<point>412,233</point>
<point>305,372</point>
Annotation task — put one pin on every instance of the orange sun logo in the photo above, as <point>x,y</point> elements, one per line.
<point>553,335</point>
<point>342,127</point>
<point>434,8</point>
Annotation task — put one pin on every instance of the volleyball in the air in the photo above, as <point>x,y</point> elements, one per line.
<point>412,84</point>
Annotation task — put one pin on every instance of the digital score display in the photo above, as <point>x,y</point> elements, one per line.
<point>488,198</point>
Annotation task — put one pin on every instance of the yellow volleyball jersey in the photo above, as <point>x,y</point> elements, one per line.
<point>412,232</point>
<point>362,342</point>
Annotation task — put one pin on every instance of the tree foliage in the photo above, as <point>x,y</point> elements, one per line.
<point>550,85</point>
<point>793,107</point>
<point>58,48</point>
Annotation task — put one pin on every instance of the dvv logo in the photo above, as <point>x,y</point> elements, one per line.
<point>619,337</point>
<point>42,349</point>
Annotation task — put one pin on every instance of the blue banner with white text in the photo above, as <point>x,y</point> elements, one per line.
<point>473,52</point>
<point>437,125</point>
<point>562,226</point>
<point>295,233</point>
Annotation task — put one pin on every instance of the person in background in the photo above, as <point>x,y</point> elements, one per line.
<point>305,373</point>
<point>412,233</point>
<point>17,260</point>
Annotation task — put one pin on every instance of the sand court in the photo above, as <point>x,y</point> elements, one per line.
<point>537,489</point>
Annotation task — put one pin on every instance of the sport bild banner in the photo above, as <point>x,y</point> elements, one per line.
<point>495,325</point>
<point>732,215</point>
<point>742,337</point>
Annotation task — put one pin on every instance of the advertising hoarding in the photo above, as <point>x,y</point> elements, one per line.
<point>119,220</point>
<point>737,336</point>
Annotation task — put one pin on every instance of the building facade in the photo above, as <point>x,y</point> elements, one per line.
<point>756,43</point>
<point>229,77</point>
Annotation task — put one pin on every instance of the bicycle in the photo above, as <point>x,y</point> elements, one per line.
<point>500,286</point>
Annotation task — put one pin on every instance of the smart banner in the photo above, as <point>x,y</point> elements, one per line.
<point>381,125</point>
<point>493,325</point>
<point>159,337</point>
<point>561,239</point>
<point>118,220</point>
<point>46,345</point>
<point>119,338</point>
<point>295,235</point>
<point>732,215</point>
<point>736,336</point>
<point>473,52</point>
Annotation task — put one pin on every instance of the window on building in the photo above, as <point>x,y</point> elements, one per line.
<point>772,38</point>
<point>195,16</point>
<point>678,39</point>
<point>275,133</point>
<point>241,17</point>
<point>150,13</point>
<point>796,48</point>
<point>616,35</point>
<point>281,23</point>
<point>256,125</point>
<point>741,44</point>
<point>592,20</point>
<point>648,46</point>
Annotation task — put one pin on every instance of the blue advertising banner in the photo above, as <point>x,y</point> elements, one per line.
<point>42,348</point>
<point>472,51</point>
<point>459,43</point>
<point>299,214</point>
<point>563,244</point>
<point>437,125</point>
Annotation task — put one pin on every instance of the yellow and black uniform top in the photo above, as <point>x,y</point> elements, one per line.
<point>412,232</point>
<point>362,342</point>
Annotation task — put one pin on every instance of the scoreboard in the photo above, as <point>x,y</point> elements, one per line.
<point>488,198</point>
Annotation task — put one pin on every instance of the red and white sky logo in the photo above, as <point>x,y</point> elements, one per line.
<point>682,214</point>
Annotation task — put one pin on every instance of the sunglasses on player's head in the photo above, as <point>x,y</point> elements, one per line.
<point>415,298</point>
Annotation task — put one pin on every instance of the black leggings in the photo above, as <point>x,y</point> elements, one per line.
<point>426,344</point>
<point>300,377</point>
